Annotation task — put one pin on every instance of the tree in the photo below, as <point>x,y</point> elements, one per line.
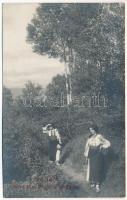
<point>31,93</point>
<point>54,30</point>
<point>12,140</point>
<point>56,91</point>
<point>23,141</point>
<point>88,36</point>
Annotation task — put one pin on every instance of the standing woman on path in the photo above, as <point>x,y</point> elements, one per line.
<point>94,148</point>
<point>54,143</point>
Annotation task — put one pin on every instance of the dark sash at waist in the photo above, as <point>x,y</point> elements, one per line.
<point>94,147</point>
<point>93,151</point>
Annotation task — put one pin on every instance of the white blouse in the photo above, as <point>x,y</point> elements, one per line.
<point>95,141</point>
<point>54,132</point>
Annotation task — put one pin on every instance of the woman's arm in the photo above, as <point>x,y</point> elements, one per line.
<point>86,149</point>
<point>44,129</point>
<point>104,142</point>
<point>58,136</point>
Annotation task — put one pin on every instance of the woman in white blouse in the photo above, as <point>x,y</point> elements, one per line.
<point>95,144</point>
<point>54,143</point>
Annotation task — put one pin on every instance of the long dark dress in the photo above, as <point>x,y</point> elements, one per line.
<point>52,147</point>
<point>95,157</point>
<point>96,165</point>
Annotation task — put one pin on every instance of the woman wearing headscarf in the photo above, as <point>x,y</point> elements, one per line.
<point>94,148</point>
<point>54,143</point>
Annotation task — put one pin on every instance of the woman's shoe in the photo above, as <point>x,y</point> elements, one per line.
<point>98,188</point>
<point>57,163</point>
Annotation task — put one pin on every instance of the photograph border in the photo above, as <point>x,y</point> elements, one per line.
<point>1,78</point>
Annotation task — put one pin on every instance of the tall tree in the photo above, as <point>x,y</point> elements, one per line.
<point>54,30</point>
<point>88,36</point>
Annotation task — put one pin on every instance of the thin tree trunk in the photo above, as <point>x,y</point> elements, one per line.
<point>67,85</point>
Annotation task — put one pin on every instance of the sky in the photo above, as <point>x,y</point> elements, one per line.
<point>20,64</point>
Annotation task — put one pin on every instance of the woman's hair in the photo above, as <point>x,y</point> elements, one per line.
<point>94,127</point>
<point>49,125</point>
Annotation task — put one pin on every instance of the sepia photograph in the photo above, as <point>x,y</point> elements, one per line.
<point>63,100</point>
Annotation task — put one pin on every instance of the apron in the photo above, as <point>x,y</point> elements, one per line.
<point>52,146</point>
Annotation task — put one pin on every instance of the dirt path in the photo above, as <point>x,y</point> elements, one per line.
<point>72,174</point>
<point>79,178</point>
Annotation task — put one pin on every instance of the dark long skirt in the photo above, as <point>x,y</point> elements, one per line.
<point>52,150</point>
<point>96,166</point>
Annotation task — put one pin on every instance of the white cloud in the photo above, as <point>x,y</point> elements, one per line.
<point>20,64</point>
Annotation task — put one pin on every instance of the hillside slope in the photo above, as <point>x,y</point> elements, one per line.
<point>68,180</point>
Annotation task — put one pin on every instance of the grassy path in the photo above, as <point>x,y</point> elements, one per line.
<point>72,174</point>
<point>78,177</point>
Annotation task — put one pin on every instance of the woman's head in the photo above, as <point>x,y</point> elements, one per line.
<point>93,129</point>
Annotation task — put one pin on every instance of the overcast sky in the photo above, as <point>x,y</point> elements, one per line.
<point>20,64</point>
